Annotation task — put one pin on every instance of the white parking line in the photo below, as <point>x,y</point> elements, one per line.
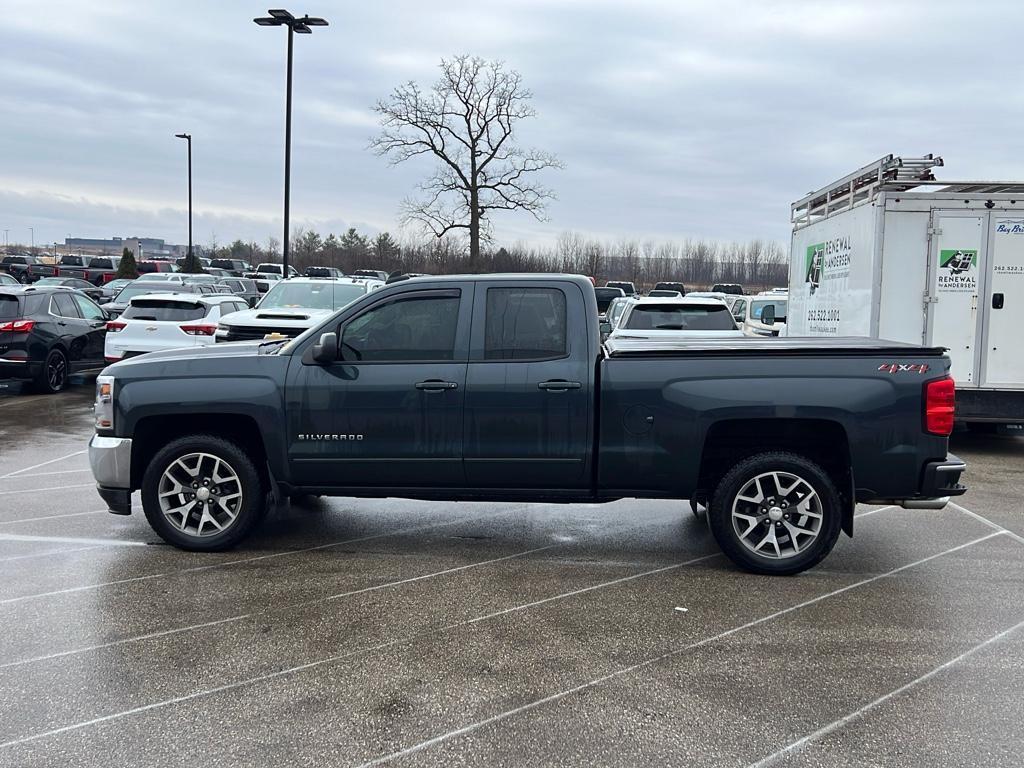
<point>859,515</point>
<point>198,568</point>
<point>72,540</point>
<point>989,523</point>
<point>643,664</point>
<point>321,662</point>
<point>48,490</point>
<point>51,517</point>
<point>799,744</point>
<point>45,463</point>
<point>275,609</point>
<point>47,553</point>
<point>50,474</point>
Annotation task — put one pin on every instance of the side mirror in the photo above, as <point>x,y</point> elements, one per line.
<point>326,350</point>
<point>606,328</point>
<point>768,315</point>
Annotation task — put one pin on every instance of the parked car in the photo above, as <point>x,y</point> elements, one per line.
<point>605,296</point>
<point>481,387</point>
<point>662,293</point>
<point>97,270</point>
<point>627,288</point>
<point>371,274</point>
<point>679,287</point>
<point>725,297</point>
<point>8,279</point>
<point>733,289</point>
<point>111,289</point>
<point>750,314</point>
<point>321,271</point>
<point>74,283</point>
<point>49,333</point>
<point>242,287</point>
<point>276,269</point>
<point>616,309</point>
<point>141,287</point>
<point>203,261</point>
<point>156,321</point>
<point>234,267</point>
<point>18,266</point>
<point>160,266</point>
<point>292,306</point>
<point>49,267</point>
<point>264,280</point>
<point>164,277</point>
<point>679,319</point>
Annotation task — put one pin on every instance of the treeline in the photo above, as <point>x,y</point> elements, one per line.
<point>697,263</point>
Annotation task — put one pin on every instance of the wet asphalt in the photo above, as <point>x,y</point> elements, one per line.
<point>365,632</point>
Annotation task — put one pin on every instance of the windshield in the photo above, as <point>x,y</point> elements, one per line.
<point>326,295</point>
<point>757,307</point>
<point>680,317</point>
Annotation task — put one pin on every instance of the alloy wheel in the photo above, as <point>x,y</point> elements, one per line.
<point>777,515</point>
<point>200,494</point>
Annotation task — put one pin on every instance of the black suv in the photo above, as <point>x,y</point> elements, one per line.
<point>47,334</point>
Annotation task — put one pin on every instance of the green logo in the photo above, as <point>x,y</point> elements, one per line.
<point>814,263</point>
<point>959,260</point>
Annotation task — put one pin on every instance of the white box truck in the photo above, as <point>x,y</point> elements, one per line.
<point>889,252</point>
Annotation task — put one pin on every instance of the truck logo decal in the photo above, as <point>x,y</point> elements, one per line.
<point>958,261</point>
<point>1010,226</point>
<point>904,368</point>
<point>326,437</point>
<point>826,261</point>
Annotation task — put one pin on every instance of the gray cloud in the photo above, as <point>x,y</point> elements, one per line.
<point>673,119</point>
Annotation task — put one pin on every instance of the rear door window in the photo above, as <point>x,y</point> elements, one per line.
<point>10,307</point>
<point>524,324</point>
<point>164,310</point>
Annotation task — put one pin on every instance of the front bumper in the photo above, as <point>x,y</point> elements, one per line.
<point>939,481</point>
<point>111,461</point>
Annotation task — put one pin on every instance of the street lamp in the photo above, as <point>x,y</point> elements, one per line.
<point>279,18</point>
<point>188,138</point>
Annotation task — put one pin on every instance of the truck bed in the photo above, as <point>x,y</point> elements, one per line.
<point>853,346</point>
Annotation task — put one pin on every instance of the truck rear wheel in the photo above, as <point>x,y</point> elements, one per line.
<point>776,513</point>
<point>203,493</point>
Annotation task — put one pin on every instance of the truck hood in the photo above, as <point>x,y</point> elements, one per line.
<point>238,349</point>
<point>287,317</point>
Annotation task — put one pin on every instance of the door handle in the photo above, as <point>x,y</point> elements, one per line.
<point>997,301</point>
<point>556,385</point>
<point>436,385</point>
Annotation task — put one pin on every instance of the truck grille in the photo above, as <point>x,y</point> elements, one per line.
<point>251,333</point>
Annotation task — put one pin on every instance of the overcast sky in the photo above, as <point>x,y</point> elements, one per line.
<point>673,119</point>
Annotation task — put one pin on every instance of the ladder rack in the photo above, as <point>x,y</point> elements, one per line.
<point>894,173</point>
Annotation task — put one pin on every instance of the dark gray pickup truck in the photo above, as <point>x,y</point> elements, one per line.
<point>498,388</point>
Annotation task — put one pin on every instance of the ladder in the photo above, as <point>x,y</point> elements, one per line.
<point>896,173</point>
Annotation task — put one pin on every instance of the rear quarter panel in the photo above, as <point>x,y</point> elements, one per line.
<point>655,414</point>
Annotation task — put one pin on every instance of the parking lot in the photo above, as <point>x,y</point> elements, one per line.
<point>363,632</point>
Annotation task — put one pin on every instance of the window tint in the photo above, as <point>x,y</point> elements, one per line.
<point>89,310</point>
<point>679,317</point>
<point>739,309</point>
<point>64,305</point>
<point>164,310</point>
<point>757,307</point>
<point>524,324</point>
<point>420,328</point>
<point>10,307</point>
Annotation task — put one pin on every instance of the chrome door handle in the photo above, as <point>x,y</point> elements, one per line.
<point>558,386</point>
<point>436,385</point>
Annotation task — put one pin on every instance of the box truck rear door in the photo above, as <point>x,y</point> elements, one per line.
<point>957,247</point>
<point>1004,303</point>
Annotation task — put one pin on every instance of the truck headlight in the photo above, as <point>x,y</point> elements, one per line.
<point>103,408</point>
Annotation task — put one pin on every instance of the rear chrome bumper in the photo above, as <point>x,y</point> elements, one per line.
<point>111,461</point>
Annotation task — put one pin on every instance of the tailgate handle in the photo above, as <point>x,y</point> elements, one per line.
<point>557,385</point>
<point>997,301</point>
<point>436,385</point>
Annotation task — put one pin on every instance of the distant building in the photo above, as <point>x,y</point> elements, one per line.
<point>141,247</point>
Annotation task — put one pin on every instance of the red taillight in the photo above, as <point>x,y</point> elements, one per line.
<point>113,326</point>
<point>18,326</point>
<point>939,406</point>
<point>199,330</point>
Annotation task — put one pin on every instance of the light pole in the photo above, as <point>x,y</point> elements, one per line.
<point>32,230</point>
<point>188,138</point>
<point>278,18</point>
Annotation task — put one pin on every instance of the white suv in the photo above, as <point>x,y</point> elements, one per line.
<point>158,321</point>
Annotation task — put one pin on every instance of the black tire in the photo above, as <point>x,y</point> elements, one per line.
<point>53,377</point>
<point>249,512</point>
<point>808,552</point>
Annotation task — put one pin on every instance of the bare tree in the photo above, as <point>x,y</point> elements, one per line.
<point>466,123</point>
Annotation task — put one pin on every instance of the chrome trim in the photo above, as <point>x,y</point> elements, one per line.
<point>961,467</point>
<point>111,461</point>
<point>939,503</point>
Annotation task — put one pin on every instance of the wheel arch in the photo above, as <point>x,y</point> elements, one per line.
<point>822,441</point>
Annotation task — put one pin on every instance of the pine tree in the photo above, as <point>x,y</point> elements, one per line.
<point>127,269</point>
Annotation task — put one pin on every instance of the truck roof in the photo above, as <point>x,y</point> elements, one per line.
<point>855,346</point>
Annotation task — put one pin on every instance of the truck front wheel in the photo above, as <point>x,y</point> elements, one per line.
<point>203,493</point>
<point>776,513</point>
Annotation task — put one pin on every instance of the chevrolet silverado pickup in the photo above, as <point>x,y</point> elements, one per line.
<point>498,388</point>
